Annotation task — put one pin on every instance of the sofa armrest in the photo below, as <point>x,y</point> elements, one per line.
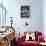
<point>41,38</point>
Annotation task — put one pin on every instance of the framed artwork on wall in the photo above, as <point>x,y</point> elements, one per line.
<point>25,11</point>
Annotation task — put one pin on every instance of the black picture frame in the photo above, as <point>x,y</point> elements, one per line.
<point>25,11</point>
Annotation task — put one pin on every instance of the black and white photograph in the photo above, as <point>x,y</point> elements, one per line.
<point>25,14</point>
<point>24,8</point>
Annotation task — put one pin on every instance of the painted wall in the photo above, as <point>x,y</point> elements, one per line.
<point>35,21</point>
<point>44,17</point>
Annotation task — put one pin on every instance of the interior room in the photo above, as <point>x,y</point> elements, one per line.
<point>22,22</point>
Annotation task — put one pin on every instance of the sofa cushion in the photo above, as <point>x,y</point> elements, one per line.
<point>29,43</point>
<point>32,35</point>
<point>27,36</point>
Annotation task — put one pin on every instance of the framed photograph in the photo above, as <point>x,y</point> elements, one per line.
<point>24,8</point>
<point>25,14</point>
<point>25,11</point>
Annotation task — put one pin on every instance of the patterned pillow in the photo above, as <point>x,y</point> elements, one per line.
<point>33,36</point>
<point>27,36</point>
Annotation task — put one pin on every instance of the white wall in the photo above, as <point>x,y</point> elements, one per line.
<point>35,21</point>
<point>44,17</point>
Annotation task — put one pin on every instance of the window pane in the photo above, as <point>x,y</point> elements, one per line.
<point>0,1</point>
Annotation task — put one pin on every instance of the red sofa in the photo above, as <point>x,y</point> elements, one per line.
<point>23,42</point>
